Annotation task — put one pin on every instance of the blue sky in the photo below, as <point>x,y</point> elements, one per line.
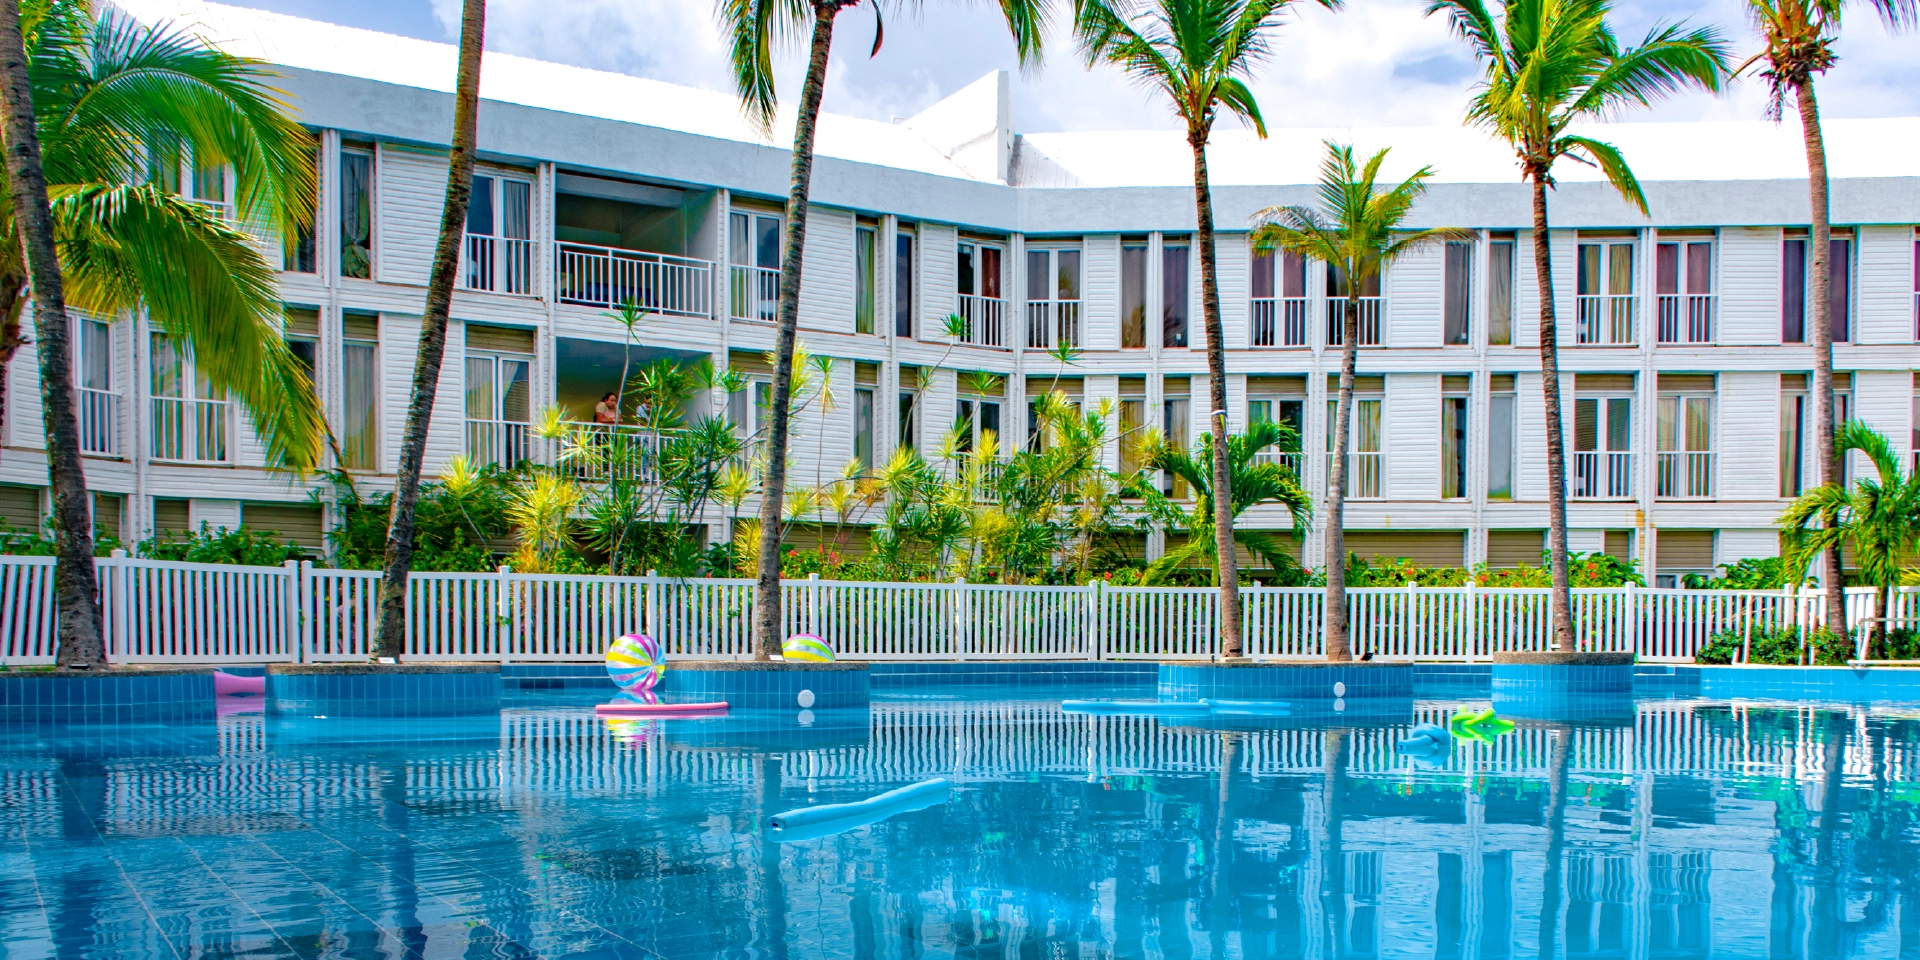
<point>1377,62</point>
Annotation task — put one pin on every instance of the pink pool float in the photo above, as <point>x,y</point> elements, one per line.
<point>233,685</point>
<point>635,708</point>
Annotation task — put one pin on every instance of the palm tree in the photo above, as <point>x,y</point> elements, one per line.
<point>756,27</point>
<point>1878,518</point>
<point>1358,231</point>
<point>109,112</point>
<point>1197,53</point>
<point>391,633</point>
<point>1551,64</point>
<point>1799,35</point>
<point>1252,480</point>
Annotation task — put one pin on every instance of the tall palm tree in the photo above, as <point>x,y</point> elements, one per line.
<point>1357,230</point>
<point>755,28</point>
<point>391,632</point>
<point>1878,517</point>
<point>116,110</point>
<point>1551,64</point>
<point>1197,53</point>
<point>1799,35</point>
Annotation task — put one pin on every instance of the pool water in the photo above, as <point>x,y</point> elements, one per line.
<point>1698,829</point>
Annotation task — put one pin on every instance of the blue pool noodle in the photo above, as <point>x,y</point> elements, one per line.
<point>925,794</point>
<point>1250,708</point>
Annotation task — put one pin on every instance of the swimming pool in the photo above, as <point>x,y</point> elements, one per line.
<point>1696,829</point>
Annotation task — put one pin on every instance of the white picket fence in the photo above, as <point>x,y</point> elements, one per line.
<point>164,612</point>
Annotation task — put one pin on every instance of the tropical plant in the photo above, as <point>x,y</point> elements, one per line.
<point>1198,54</point>
<point>754,28</point>
<point>1254,480</point>
<point>1549,65</point>
<point>459,519</point>
<point>1799,37</point>
<point>1359,231</point>
<point>1878,517</point>
<point>390,634</point>
<point>1750,573</point>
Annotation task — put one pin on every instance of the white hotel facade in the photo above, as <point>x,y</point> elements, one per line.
<point>1683,355</point>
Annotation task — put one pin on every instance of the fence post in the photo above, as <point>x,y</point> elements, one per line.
<point>1746,633</point>
<point>813,604</point>
<point>290,640</point>
<point>1406,620</point>
<point>306,610</point>
<point>510,604</point>
<point>1629,619</point>
<point>116,641</point>
<point>1096,621</point>
<point>962,623</point>
<point>1469,599</point>
<point>651,621</point>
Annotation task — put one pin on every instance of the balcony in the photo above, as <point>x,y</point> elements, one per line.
<point>1280,322</point>
<point>503,443</point>
<point>1604,320</point>
<point>754,293</point>
<point>496,264</point>
<point>99,413</point>
<point>1602,475</point>
<point>1053,322</point>
<point>1686,317</point>
<point>1288,460</point>
<point>1685,475</point>
<point>983,320</point>
<point>189,431</point>
<point>600,452</point>
<point>1369,321</point>
<point>659,283</point>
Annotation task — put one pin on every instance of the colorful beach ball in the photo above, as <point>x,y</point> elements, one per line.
<point>635,662</point>
<point>807,647</point>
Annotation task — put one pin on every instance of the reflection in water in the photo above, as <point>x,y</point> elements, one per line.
<point>1697,830</point>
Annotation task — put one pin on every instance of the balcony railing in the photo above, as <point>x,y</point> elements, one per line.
<point>984,320</point>
<point>1603,475</point>
<point>656,282</point>
<point>1288,459</point>
<point>1369,322</point>
<point>753,293</point>
<point>504,443</point>
<point>191,431</point>
<point>1604,320</point>
<point>496,264</point>
<point>1363,474</point>
<point>599,452</point>
<point>1053,322</point>
<point>1686,317</point>
<point>99,421</point>
<point>1685,475</point>
<point>1280,322</point>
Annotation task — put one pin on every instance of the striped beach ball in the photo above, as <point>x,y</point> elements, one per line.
<point>807,647</point>
<point>635,662</point>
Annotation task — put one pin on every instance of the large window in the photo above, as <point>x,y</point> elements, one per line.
<point>1368,317</point>
<point>1799,469</point>
<point>1289,412</point>
<point>1175,261</point>
<point>98,404</point>
<point>302,260</point>
<point>1501,427</point>
<point>499,404</point>
<point>1796,280</point>
<point>1683,284</point>
<point>1133,295</point>
<point>863,427</point>
<point>1457,299</point>
<point>907,422</point>
<point>1176,413</point>
<point>1603,446</point>
<point>498,254</point>
<point>356,213</point>
<point>1279,299</point>
<point>189,420</point>
<point>1603,298</point>
<point>981,306</point>
<point>1683,441</point>
<point>866,277</point>
<point>1053,297</point>
<point>1500,288</point>
<point>753,247</point>
<point>360,391</point>
<point>975,419</point>
<point>1365,448</point>
<point>903,281</point>
<point>1453,437</point>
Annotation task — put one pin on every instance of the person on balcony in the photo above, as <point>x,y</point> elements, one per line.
<point>607,411</point>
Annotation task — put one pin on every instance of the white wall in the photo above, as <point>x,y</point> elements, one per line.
<point>1100,310</point>
<point>939,284</point>
<point>409,196</point>
<point>1749,286</point>
<point>826,287</point>
<point>1749,439</point>
<point>1413,289</point>
<point>1233,267</point>
<point>1413,436</point>
<point>1883,285</point>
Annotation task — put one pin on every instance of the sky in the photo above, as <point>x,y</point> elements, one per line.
<point>1373,63</point>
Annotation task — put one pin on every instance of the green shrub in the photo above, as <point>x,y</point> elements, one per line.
<point>248,548</point>
<point>1779,647</point>
<point>1753,573</point>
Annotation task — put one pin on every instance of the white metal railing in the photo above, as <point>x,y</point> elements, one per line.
<point>1368,323</point>
<point>194,431</point>
<point>99,420</point>
<point>501,442</point>
<point>1685,475</point>
<point>983,320</point>
<point>158,612</point>
<point>753,293</point>
<point>1686,317</point>
<point>1363,474</point>
<point>1603,475</point>
<point>1289,459</point>
<point>656,282</point>
<point>1604,320</point>
<point>1053,322</point>
<point>603,450</point>
<point>1280,321</point>
<point>498,264</point>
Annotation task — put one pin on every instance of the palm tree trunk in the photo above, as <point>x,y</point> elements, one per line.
<point>1821,238</point>
<point>12,296</point>
<point>1339,643</point>
<point>433,336</point>
<point>773,487</point>
<point>1232,644</point>
<point>1556,439</point>
<point>75,591</point>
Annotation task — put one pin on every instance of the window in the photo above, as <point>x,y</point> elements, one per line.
<point>903,281</point>
<point>1176,413</point>
<point>1684,443</point>
<point>975,420</point>
<point>1453,438</point>
<point>753,249</point>
<point>1603,300</point>
<point>1368,322</point>
<point>1500,436</point>
<point>356,214</point>
<point>302,333</point>
<point>865,278</point>
<point>499,408</point>
<point>1458,297</point>
<point>210,184</point>
<point>1500,289</point>
<point>498,254</point>
<point>1279,299</point>
<point>981,307</point>
<point>360,391</point>
<point>98,405</point>
<point>1796,412</point>
<point>1053,297</point>
<point>1683,287</point>
<point>863,427</point>
<point>1796,275</point>
<point>1133,416</point>
<point>303,259</point>
<point>1603,447</point>
<point>1174,300</point>
<point>1133,295</point>
<point>909,432</point>
<point>1290,413</point>
<point>189,417</point>
<point>1916,294</point>
<point>1364,460</point>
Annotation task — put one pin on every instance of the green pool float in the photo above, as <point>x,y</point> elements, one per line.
<point>1481,725</point>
